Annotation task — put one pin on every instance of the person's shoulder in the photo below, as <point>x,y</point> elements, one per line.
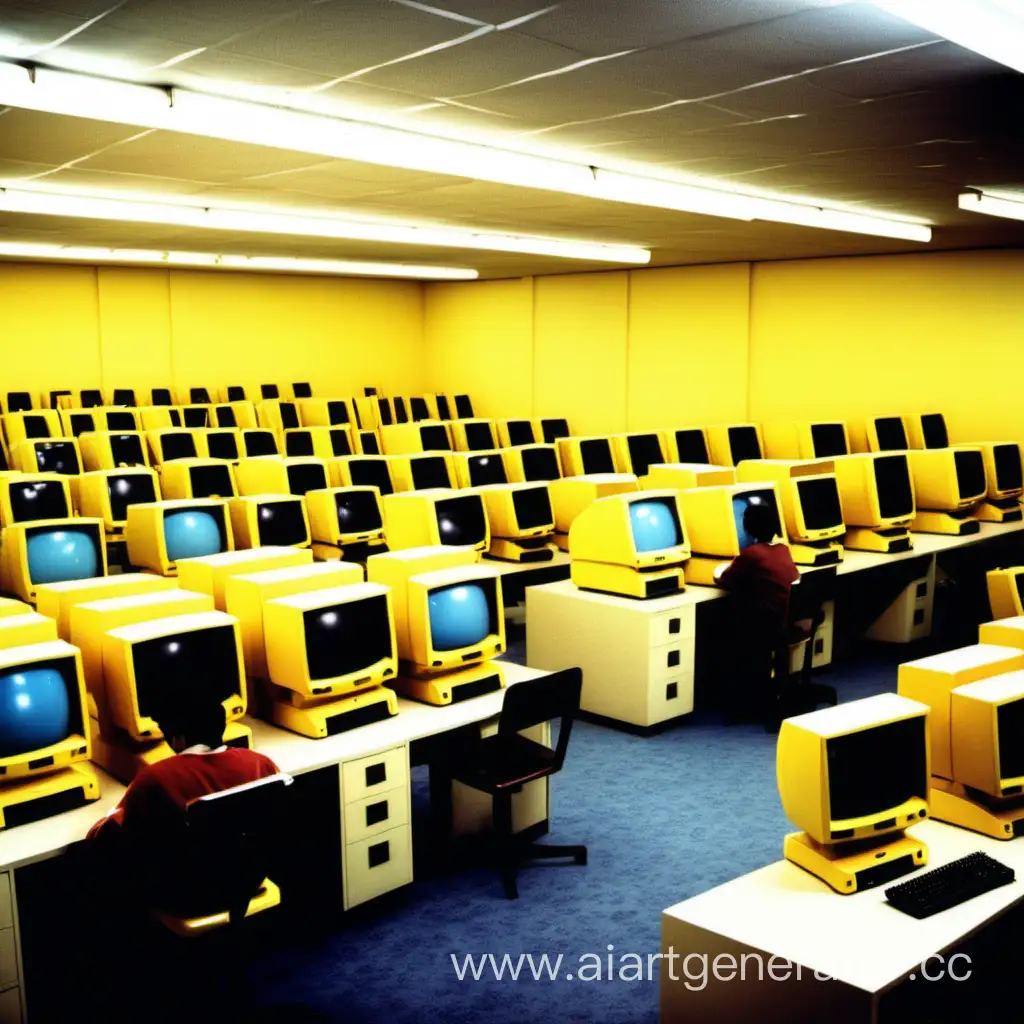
<point>253,758</point>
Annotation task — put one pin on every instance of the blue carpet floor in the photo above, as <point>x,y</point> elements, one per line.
<point>665,817</point>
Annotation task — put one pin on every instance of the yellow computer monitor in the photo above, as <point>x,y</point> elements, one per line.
<point>81,421</point>
<point>10,606</point>
<point>412,438</point>
<point>805,440</point>
<point>1006,592</point>
<point>1003,476</point>
<point>641,531</point>
<point>418,408</point>
<point>124,397</point>
<point>515,433</point>
<point>880,434</point>
<point>569,497</point>
<point>144,664</point>
<point>425,518</point>
<point>345,515</point>
<point>478,469</point>
<point>636,453</point>
<point>947,479</point>
<point>257,443</point>
<point>318,442</point>
<point>277,520</point>
<point>108,450</point>
<point>246,594</point>
<point>734,443</point>
<point>277,415</point>
<point>876,489</point>
<point>551,430</point>
<point>281,475</point>
<point>158,396</point>
<point>361,471</point>
<point>220,443</point>
<point>51,551</point>
<point>58,600</point>
<point>159,417</point>
<point>686,444</point>
<point>681,476</point>
<point>31,496</point>
<point>27,426</point>
<point>931,680</point>
<point>714,516</point>
<point>368,410</point>
<point>585,456</point>
<point>987,735</point>
<point>330,643</point>
<point>196,395</point>
<point>198,478</point>
<point>367,442</point>
<point>439,406</point>
<point>57,455</point>
<point>210,573</point>
<point>191,417</point>
<point>809,494</point>
<point>107,494</point>
<point>531,462</point>
<point>175,443</point>
<point>234,393</point>
<point>325,412</point>
<point>927,430</point>
<point>423,471</point>
<point>473,435</point>
<point>518,511</point>
<point>401,408</point>
<point>855,771</point>
<point>160,533</point>
<point>28,628</point>
<point>238,415</point>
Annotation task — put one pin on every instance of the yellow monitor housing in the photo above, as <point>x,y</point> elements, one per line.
<point>520,521</point>
<point>425,518</point>
<point>681,476</point>
<point>107,494</point>
<point>110,450</point>
<point>175,443</point>
<point>57,600</point>
<point>473,435</point>
<point>220,443</point>
<point>198,478</point>
<point>516,433</point>
<point>31,496</point>
<point>818,440</point>
<point>585,456</point>
<point>210,574</point>
<point>735,443</point>
<point>159,418</point>
<point>948,483</point>
<point>281,476</point>
<point>324,412</point>
<point>569,497</point>
<point>198,526</point>
<point>854,777</point>
<point>877,492</point>
<point>687,444</point>
<point>1004,482</point>
<point>318,442</point>
<point>51,551</point>
<point>28,628</point>
<point>58,455</point>
<point>277,520</point>
<point>880,434</point>
<point>636,453</point>
<point>1006,592</point>
<point>345,515</point>
<point>362,471</point>
<point>257,443</point>
<point>532,462</point>
<point>144,664</point>
<point>28,426</point>
<point>714,516</point>
<point>278,416</point>
<point>421,472</point>
<point>367,442</point>
<point>368,409</point>
<point>412,438</point>
<point>479,469</point>
<point>927,430</point>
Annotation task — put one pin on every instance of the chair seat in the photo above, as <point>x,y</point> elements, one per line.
<point>505,764</point>
<point>268,897</point>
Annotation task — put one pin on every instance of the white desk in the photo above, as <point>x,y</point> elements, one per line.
<point>860,941</point>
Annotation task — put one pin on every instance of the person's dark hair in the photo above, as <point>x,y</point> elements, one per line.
<point>760,522</point>
<point>192,717</point>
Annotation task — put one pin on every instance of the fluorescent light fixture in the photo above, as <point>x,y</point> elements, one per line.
<point>287,264</point>
<point>236,120</point>
<point>16,199</point>
<point>993,205</point>
<point>993,28</point>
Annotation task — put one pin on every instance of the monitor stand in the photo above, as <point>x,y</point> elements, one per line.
<point>624,581</point>
<point>953,803</point>
<point>508,549</point>
<point>562,542</point>
<point>56,791</point>
<point>956,524</point>
<point>451,687</point>
<point>888,541</point>
<point>999,510</point>
<point>816,553</point>
<point>320,718</point>
<point>859,863</point>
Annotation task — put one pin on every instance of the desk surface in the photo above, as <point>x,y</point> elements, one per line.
<point>781,909</point>
<point>560,558</point>
<point>292,753</point>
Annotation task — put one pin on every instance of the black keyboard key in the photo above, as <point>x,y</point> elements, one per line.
<point>950,885</point>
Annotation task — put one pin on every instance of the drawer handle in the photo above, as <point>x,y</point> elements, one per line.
<point>674,625</point>
<point>378,854</point>
<point>673,659</point>
<point>377,812</point>
<point>376,774</point>
<point>671,691</point>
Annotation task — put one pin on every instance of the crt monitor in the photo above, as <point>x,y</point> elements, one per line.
<point>125,396</point>
<point>344,515</point>
<point>300,443</point>
<point>161,532</point>
<point>384,412</point>
<point>199,396</point>
<point>401,412</point>
<point>372,472</point>
<point>820,507</point>
<point>742,501</point>
<point>210,480</point>
<point>714,516</point>
<point>479,436</point>
<point>1007,470</point>
<point>553,429</point>
<point>486,469</point>
<point>443,410</point>
<point>596,455</point>
<point>418,409</point>
<point>829,440</point>
<point>269,391</point>
<point>52,551</point>
<point>119,420</point>
<point>987,735</point>
<point>434,438</point>
<point>194,417</point>
<point>302,389</point>
<point>744,443</point>
<point>222,444</point>
<point>440,517</point>
<point>289,416</point>
<point>236,393</point>
<point>57,457</point>
<point>78,423</point>
<point>540,463</point>
<point>895,490</point>
<point>29,498</point>
<point>891,432</point>
<point>933,430</point>
<point>259,442</point>
<point>337,413</point>
<point>127,450</point>
<point>281,523</point>
<point>124,489</point>
<point>519,432</point>
<point>644,451</point>
<point>306,476</point>
<point>692,446</point>
<point>463,407</point>
<point>161,396</point>
<point>429,471</point>
<point>641,530</point>
<point>225,416</point>
<point>177,444</point>
<point>91,398</point>
<point>947,479</point>
<point>369,442</point>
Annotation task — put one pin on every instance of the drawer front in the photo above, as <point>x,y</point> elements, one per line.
<point>670,696</point>
<point>6,902</point>
<point>8,958</point>
<point>10,1006</point>
<point>377,865</point>
<point>673,627</point>
<point>375,774</point>
<point>376,814</point>
<point>671,660</point>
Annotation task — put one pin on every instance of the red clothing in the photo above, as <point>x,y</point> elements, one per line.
<point>762,575</point>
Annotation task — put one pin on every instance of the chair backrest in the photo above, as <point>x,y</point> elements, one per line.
<point>535,701</point>
<point>814,589</point>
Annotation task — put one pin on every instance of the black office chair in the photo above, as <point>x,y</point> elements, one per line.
<point>504,763</point>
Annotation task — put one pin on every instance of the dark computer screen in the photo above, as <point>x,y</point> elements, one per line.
<point>533,508</point>
<point>129,489</point>
<point>236,393</point>
<point>302,390</point>
<point>282,523</point>
<point>126,450</point>
<point>933,430</point>
<point>554,429</point>
<point>3,460</point>
<point>178,446</point>
<point>520,432</point>
<point>225,416</point>
<point>347,638</point>
<point>124,396</point>
<point>486,469</point>
<point>21,401</point>
<point>57,457</point>
<point>819,503</point>
<point>876,770</point>
<point>401,414</point>
<point>435,439</point>
<point>36,426</point>
<point>289,416</point>
<point>1008,468</point>
<point>829,440</point>
<point>429,471</point>
<point>895,493</point>
<point>310,476</point>
<point>744,444</point>
<point>200,396</point>
<point>259,442</point>
<point>419,410</point>
<point>340,443</point>
<point>206,658</point>
<point>970,474</point>
<point>369,442</point>
<point>644,452</point>
<point>175,415</point>
<point>211,482</point>
<point>596,455</point>
<point>337,413</point>
<point>741,502</point>
<point>1010,725</point>
<point>463,407</point>
<point>82,422</point>
<point>42,499</point>
<point>195,417</point>
<point>358,512</point>
<point>222,445</point>
<point>384,411</point>
<point>120,421</point>
<point>371,473</point>
<point>541,464</point>
<point>479,437</point>
<point>161,396</point>
<point>692,446</point>
<point>91,398</point>
<point>891,433</point>
<point>54,396</point>
<point>461,520</point>
<point>443,412</point>
<point>298,442</point>
<point>268,391</point>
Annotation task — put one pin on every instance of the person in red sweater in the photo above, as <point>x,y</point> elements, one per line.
<point>760,579</point>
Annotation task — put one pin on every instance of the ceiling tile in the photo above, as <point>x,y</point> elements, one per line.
<point>25,30</point>
<point>234,75</point>
<point>50,139</point>
<point>87,180</point>
<point>103,49</point>
<point>494,12</point>
<point>17,170</point>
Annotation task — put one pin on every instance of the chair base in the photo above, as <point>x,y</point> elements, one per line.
<point>269,896</point>
<point>536,851</point>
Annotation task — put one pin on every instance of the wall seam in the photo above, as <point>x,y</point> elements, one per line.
<point>750,339</point>
<point>534,413</point>
<point>99,331</point>
<point>629,342</point>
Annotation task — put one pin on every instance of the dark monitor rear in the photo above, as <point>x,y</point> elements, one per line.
<point>281,523</point>
<point>876,769</point>
<point>21,401</point>
<point>384,412</point>
<point>269,391</point>
<point>819,503</point>
<point>486,469</point>
<point>891,434</point>
<point>40,499</point>
<point>222,445</point>
<point>596,455</point>
<point>199,396</point>
<point>126,450</point>
<point>302,389</point>
<point>195,417</point>
<point>461,520</point>
<point>692,446</point>
<point>371,473</point>
<point>289,416</point>
<point>541,464</point>
<point>479,437</point>
<point>120,421</point>
<point>520,432</point>
<point>533,508</point>
<point>298,443</point>
<point>434,438</point>
<point>463,407</point>
<point>401,413</point>
<point>1010,726</point>
<point>358,512</point>
<point>161,396</point>
<point>129,489</point>
<point>57,457</point>
<point>744,444</point>
<point>347,638</point>
<point>970,474</point>
<point>1008,467</point>
<point>369,442</point>
<point>644,452</point>
<point>91,398</point>
<point>83,423</point>
<point>236,393</point>
<point>554,429</point>
<point>225,416</point>
<point>419,410</point>
<point>429,471</point>
<point>211,481</point>
<point>443,412</point>
<point>337,413</point>
<point>895,493</point>
<point>124,396</point>
<point>178,446</point>
<point>36,426</point>
<point>307,477</point>
<point>933,430</point>
<point>340,443</point>
<point>829,440</point>
<point>259,442</point>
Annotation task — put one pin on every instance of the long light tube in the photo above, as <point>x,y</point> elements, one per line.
<point>993,205</point>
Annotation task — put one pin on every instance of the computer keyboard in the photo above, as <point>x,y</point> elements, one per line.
<point>950,885</point>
